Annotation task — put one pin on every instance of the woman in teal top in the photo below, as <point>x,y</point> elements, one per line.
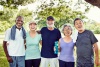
<point>32,56</point>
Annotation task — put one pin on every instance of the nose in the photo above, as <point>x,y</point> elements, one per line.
<point>78,24</point>
<point>19,22</point>
<point>32,25</point>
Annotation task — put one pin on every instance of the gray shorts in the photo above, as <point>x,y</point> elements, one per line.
<point>18,61</point>
<point>85,65</point>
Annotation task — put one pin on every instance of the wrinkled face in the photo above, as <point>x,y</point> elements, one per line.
<point>67,31</point>
<point>50,23</point>
<point>19,22</point>
<point>79,25</point>
<point>32,26</point>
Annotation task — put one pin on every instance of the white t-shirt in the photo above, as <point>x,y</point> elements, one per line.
<point>15,47</point>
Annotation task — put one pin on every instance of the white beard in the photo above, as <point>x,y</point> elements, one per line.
<point>50,25</point>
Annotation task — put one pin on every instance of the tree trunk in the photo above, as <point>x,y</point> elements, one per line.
<point>94,2</point>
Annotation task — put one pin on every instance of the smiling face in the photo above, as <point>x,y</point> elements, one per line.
<point>32,26</point>
<point>79,25</point>
<point>50,23</point>
<point>67,30</point>
<point>19,22</point>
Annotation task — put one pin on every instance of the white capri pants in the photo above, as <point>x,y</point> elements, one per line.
<point>49,62</point>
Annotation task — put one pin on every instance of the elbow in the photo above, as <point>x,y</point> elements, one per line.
<point>4,44</point>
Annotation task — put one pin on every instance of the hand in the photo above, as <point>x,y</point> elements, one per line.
<point>10,60</point>
<point>97,62</point>
<point>54,49</point>
<point>25,47</point>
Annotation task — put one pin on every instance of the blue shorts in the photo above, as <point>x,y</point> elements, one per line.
<point>18,61</point>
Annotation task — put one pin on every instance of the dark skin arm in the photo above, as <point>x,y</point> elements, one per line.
<point>25,43</point>
<point>6,52</point>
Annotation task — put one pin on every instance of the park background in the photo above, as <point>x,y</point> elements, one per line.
<point>64,11</point>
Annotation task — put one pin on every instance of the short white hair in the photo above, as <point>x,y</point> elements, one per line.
<point>65,25</point>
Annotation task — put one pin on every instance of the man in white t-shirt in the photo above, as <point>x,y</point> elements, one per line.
<point>13,44</point>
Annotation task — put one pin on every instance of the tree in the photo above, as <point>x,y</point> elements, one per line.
<point>4,25</point>
<point>61,10</point>
<point>26,14</point>
<point>62,14</point>
<point>94,27</point>
<point>73,4</point>
<point>10,11</point>
<point>15,3</point>
<point>8,16</point>
<point>94,2</point>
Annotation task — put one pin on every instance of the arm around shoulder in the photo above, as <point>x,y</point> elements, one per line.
<point>59,48</point>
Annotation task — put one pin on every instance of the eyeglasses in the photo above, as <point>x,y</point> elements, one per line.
<point>65,29</point>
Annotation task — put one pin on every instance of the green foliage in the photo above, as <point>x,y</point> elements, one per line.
<point>8,16</point>
<point>15,3</point>
<point>94,27</point>
<point>62,14</point>
<point>26,14</point>
<point>71,3</point>
<point>61,10</point>
<point>4,25</point>
<point>97,30</point>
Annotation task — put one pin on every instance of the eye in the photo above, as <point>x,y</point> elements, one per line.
<point>19,20</point>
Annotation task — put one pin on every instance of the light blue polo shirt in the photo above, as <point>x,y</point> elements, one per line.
<point>32,47</point>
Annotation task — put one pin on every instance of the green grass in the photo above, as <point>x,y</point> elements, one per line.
<point>3,60</point>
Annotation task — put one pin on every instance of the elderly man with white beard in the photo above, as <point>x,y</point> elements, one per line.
<point>50,35</point>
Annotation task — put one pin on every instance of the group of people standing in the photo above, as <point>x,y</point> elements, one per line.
<point>22,48</point>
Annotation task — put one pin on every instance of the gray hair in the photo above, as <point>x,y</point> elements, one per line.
<point>66,25</point>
